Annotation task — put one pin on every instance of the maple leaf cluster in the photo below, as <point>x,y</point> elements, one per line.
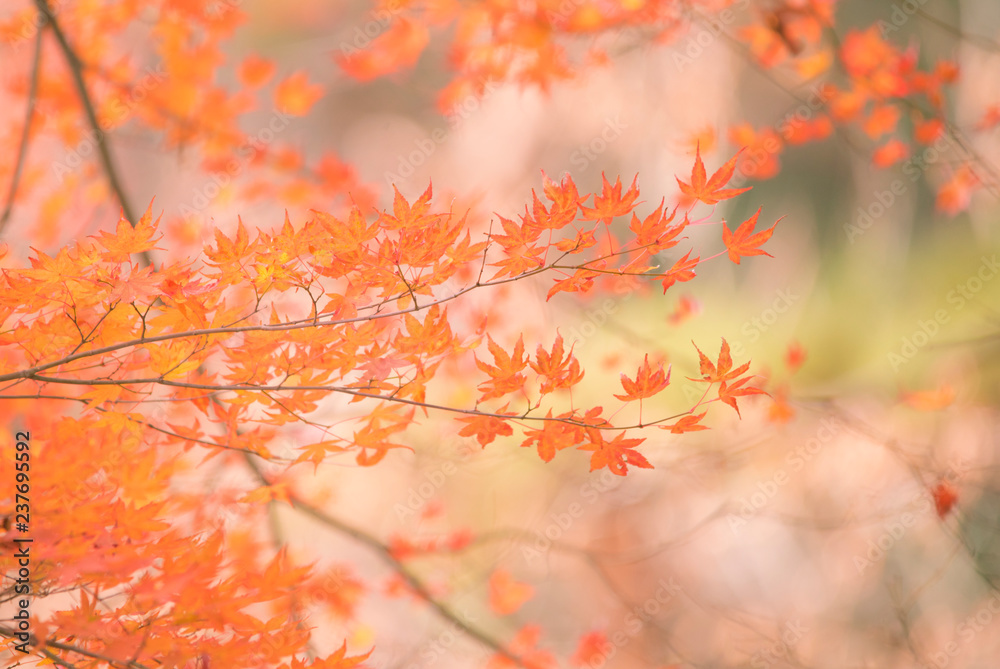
<point>881,83</point>
<point>376,326</point>
<point>214,357</point>
<point>169,365</point>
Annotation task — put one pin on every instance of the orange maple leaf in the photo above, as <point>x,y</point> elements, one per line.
<point>780,411</point>
<point>795,356</point>
<point>616,454</point>
<point>890,153</point>
<point>742,242</point>
<point>141,284</point>
<point>268,493</point>
<point>653,235</point>
<point>255,70</point>
<point>558,368</point>
<point>337,660</point>
<point>955,195</point>
<point>505,375</point>
<point>582,280</point>
<point>553,437</point>
<point>611,203</point>
<point>128,239</point>
<point>687,307</point>
<point>584,240</point>
<point>647,382</point>
<point>398,47</point>
<point>295,95</point>
<point>710,190</point>
<point>689,423</point>
<point>720,371</point>
<point>929,400</point>
<point>592,650</point>
<point>519,247</point>
<point>564,195</point>
<point>728,392</point>
<point>524,646</point>
<point>683,270</point>
<point>506,594</point>
<point>881,121</point>
<point>485,428</point>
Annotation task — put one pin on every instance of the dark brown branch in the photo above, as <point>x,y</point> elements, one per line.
<point>76,67</point>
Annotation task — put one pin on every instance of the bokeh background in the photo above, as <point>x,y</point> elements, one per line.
<point>854,523</point>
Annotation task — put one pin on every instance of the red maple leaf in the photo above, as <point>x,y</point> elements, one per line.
<point>945,497</point>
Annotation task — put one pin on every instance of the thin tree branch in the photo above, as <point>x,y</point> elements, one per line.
<point>354,393</point>
<point>396,565</point>
<point>76,67</point>
<point>979,41</point>
<point>41,647</point>
<point>29,114</point>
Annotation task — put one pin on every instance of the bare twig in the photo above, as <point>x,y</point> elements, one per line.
<point>22,150</point>
<point>43,646</point>
<point>383,552</point>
